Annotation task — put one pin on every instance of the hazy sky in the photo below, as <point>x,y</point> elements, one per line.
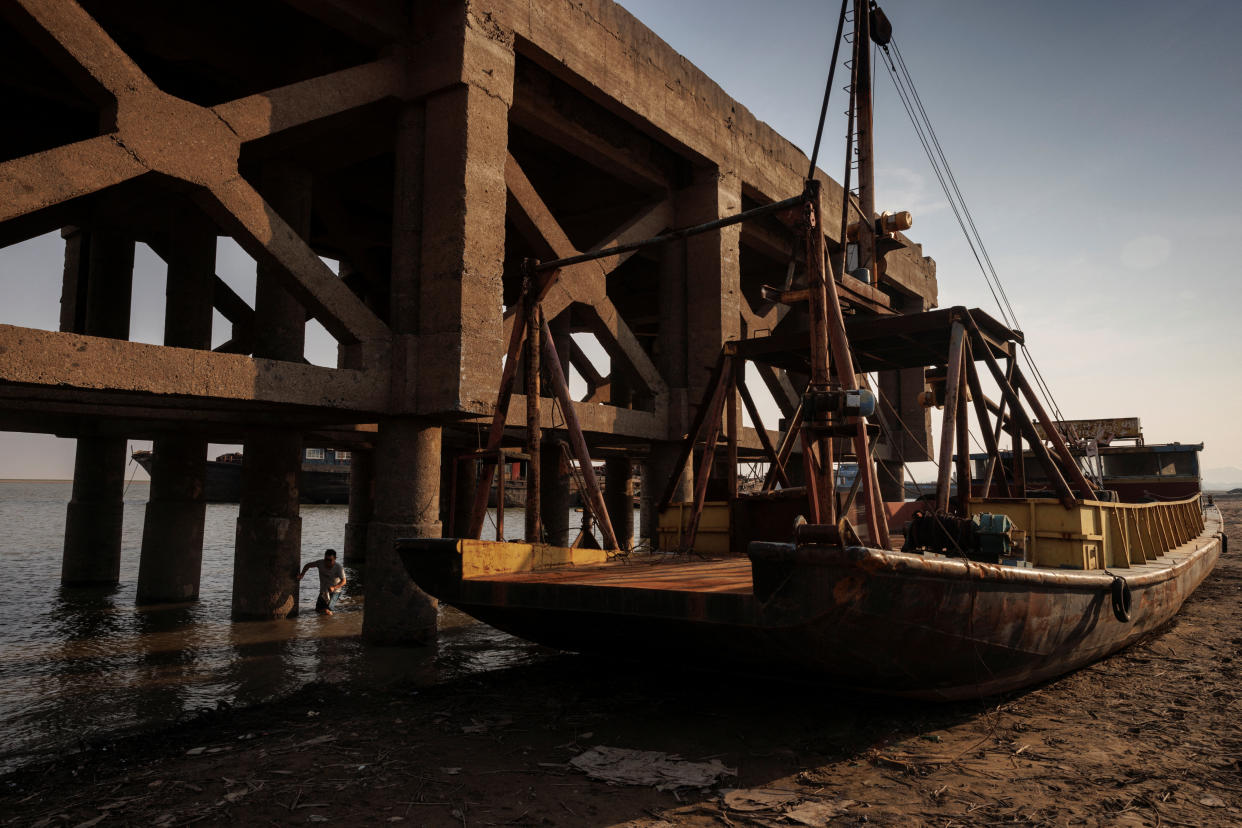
<point>1097,145</point>
<point>1095,142</point>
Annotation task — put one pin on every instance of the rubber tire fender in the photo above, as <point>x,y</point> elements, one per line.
<point>1122,600</point>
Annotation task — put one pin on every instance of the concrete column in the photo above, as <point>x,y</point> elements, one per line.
<point>172,533</point>
<point>892,479</point>
<point>92,555</point>
<point>619,498</point>
<point>908,425</point>
<point>713,277</point>
<point>280,320</point>
<point>407,505</point>
<point>92,552</point>
<point>462,489</point>
<point>269,527</point>
<point>656,471</point>
<point>554,486</point>
<point>361,506</point>
<point>172,530</point>
<point>456,282</point>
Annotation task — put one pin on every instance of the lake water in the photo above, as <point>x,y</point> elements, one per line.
<point>77,665</point>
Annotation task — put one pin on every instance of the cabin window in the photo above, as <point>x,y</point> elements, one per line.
<point>1131,465</point>
<point>342,456</point>
<point>1181,464</point>
<point>314,454</point>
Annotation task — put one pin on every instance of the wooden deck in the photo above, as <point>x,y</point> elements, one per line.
<point>648,572</point>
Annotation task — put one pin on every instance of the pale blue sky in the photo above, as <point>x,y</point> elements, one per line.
<point>1095,142</point>
<point>1097,146</point>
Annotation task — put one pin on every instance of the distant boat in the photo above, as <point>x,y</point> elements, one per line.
<point>324,477</point>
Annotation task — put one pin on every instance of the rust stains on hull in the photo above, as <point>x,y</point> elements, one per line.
<point>882,621</point>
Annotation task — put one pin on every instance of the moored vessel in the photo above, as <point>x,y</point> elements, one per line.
<point>1006,579</point>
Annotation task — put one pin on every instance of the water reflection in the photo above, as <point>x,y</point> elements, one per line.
<point>77,665</point>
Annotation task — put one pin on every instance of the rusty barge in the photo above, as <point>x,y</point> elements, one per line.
<point>997,584</point>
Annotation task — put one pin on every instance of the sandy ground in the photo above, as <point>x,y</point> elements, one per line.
<point>1149,736</point>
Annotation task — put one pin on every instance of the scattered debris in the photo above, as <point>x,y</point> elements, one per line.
<point>818,813</point>
<point>757,799</point>
<point>665,772</point>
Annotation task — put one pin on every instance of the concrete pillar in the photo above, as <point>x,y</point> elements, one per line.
<point>448,265</point>
<point>656,471</point>
<point>104,259</point>
<point>172,533</point>
<point>713,277</point>
<point>269,529</point>
<point>461,492</point>
<point>619,498</point>
<point>892,479</point>
<point>172,529</point>
<point>908,425</point>
<point>269,526</point>
<point>361,506</point>
<point>407,505</point>
<point>554,486</point>
<point>92,555</point>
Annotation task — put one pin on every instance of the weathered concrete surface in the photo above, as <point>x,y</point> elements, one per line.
<point>431,147</point>
<point>407,505</point>
<point>92,554</point>
<point>42,358</point>
<point>269,529</point>
<point>171,559</point>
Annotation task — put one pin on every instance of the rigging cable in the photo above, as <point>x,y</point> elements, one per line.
<point>912,102</point>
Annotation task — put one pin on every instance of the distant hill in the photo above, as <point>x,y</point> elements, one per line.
<point>1223,479</point>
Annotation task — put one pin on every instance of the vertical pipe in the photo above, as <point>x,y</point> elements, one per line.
<point>866,164</point>
<point>534,433</point>
<point>731,426</point>
<point>821,331</point>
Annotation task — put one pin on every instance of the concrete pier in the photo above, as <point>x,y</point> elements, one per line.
<point>361,506</point>
<point>269,526</point>
<point>92,555</point>
<point>554,483</point>
<point>171,560</point>
<point>99,268</point>
<point>171,563</point>
<point>619,498</point>
<point>656,472</point>
<point>407,505</point>
<point>269,529</point>
<point>429,151</point>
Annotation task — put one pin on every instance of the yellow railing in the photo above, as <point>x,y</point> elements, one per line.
<point>1094,534</point>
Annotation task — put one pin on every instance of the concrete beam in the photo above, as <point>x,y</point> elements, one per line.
<point>73,361</point>
<point>587,283</point>
<point>629,157</point>
<point>374,22</point>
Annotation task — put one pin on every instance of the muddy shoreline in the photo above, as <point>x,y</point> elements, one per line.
<point>1149,736</point>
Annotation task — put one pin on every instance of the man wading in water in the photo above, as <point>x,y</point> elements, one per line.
<point>331,581</point>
